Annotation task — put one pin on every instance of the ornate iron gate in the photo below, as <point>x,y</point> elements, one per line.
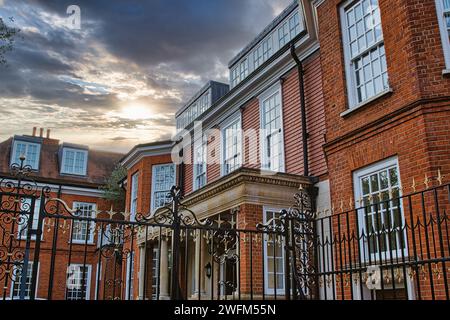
<point>81,253</point>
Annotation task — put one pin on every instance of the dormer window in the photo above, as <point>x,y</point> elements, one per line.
<point>30,150</point>
<point>74,161</point>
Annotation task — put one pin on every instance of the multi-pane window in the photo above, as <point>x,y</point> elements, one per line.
<point>289,29</point>
<point>294,25</point>
<point>134,196</point>
<point>78,280</point>
<point>443,13</point>
<point>163,181</point>
<point>129,288</point>
<point>30,150</point>
<point>364,51</point>
<point>243,68</point>
<point>234,76</point>
<point>200,164</point>
<point>17,280</point>
<point>232,146</point>
<point>274,256</point>
<point>272,143</point>
<point>74,161</point>
<point>263,52</point>
<point>26,208</point>
<point>283,34</point>
<point>83,231</point>
<point>382,221</point>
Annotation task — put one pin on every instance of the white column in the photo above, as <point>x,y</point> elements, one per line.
<point>199,266</point>
<point>164,272</point>
<point>142,279</point>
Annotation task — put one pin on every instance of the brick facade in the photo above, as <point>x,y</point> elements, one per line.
<point>410,123</point>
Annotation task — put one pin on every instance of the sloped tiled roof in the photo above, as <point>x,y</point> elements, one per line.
<point>99,167</point>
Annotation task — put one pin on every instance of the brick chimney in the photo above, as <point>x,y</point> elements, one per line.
<point>34,131</point>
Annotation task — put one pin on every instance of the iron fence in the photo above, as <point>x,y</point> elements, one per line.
<point>394,247</point>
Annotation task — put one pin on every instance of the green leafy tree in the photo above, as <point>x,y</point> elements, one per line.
<point>112,190</point>
<point>7,37</point>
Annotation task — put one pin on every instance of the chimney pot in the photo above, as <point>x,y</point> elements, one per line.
<point>41,132</point>
<point>48,133</point>
<point>34,131</point>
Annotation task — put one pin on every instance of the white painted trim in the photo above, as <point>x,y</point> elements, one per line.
<point>237,117</point>
<point>367,101</point>
<point>63,160</point>
<point>268,290</point>
<point>277,87</point>
<point>444,33</point>
<point>136,155</point>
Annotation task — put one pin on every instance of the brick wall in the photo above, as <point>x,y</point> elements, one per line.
<point>411,123</point>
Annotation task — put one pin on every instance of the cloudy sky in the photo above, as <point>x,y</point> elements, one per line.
<point>119,79</point>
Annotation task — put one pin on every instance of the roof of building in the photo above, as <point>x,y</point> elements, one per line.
<point>156,147</point>
<point>271,26</point>
<point>99,167</point>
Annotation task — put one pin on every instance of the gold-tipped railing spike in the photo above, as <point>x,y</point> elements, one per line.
<point>342,205</point>
<point>350,203</point>
<point>440,177</point>
<point>426,181</point>
<point>414,185</point>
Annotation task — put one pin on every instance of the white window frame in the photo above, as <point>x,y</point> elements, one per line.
<point>268,94</point>
<point>23,228</point>
<point>134,195</point>
<point>63,162</point>
<point>236,118</point>
<point>234,76</point>
<point>444,33</point>
<point>358,175</point>
<point>91,229</point>
<point>153,191</point>
<point>30,269</point>
<point>130,280</point>
<point>203,144</point>
<point>88,279</point>
<point>349,61</point>
<point>35,165</point>
<point>268,290</point>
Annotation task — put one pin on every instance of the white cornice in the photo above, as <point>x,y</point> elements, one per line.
<point>146,151</point>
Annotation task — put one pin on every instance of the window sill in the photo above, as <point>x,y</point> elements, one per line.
<point>366,102</point>
<point>446,72</point>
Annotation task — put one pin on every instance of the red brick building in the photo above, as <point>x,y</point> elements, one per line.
<point>68,248</point>
<point>352,99</point>
<point>386,91</point>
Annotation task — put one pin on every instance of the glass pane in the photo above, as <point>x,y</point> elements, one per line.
<point>374,183</point>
